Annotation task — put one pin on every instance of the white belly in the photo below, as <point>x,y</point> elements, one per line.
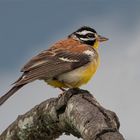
<point>79,76</point>
<point>72,76</point>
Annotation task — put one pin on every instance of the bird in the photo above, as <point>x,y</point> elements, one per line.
<point>68,63</point>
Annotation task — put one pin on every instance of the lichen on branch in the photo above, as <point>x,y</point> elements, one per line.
<point>76,112</point>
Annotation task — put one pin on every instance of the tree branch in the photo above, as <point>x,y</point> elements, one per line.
<point>76,112</point>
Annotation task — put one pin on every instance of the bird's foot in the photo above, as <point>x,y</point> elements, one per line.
<point>63,92</point>
<point>62,89</point>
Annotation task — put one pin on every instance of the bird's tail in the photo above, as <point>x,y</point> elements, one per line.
<point>10,93</point>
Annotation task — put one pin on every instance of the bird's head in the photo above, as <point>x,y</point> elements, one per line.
<point>88,35</point>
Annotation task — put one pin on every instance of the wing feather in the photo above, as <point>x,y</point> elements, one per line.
<point>50,66</point>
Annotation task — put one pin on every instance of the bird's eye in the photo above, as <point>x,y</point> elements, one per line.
<point>89,35</point>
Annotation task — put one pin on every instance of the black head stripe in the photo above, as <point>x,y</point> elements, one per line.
<point>85,35</point>
<point>86,28</point>
<point>89,42</point>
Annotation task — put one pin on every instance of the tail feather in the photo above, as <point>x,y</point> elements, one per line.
<point>10,93</point>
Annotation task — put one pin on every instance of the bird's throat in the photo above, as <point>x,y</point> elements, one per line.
<point>96,44</point>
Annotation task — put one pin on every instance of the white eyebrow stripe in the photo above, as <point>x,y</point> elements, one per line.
<point>86,39</point>
<point>67,59</point>
<point>84,32</point>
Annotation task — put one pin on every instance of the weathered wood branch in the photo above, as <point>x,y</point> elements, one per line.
<point>76,112</point>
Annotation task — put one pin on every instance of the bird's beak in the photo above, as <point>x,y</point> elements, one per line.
<point>101,38</point>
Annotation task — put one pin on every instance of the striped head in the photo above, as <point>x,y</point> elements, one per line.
<point>87,35</point>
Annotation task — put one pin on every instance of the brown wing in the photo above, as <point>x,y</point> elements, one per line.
<point>64,56</point>
<point>54,66</point>
<point>53,62</point>
<point>59,47</point>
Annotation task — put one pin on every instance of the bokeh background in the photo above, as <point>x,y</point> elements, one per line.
<point>30,26</point>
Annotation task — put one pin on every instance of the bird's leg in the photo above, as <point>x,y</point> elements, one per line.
<point>62,89</point>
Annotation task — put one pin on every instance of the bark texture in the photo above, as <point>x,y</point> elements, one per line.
<point>76,112</point>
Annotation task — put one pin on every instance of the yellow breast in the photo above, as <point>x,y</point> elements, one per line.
<point>89,72</point>
<point>77,77</point>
